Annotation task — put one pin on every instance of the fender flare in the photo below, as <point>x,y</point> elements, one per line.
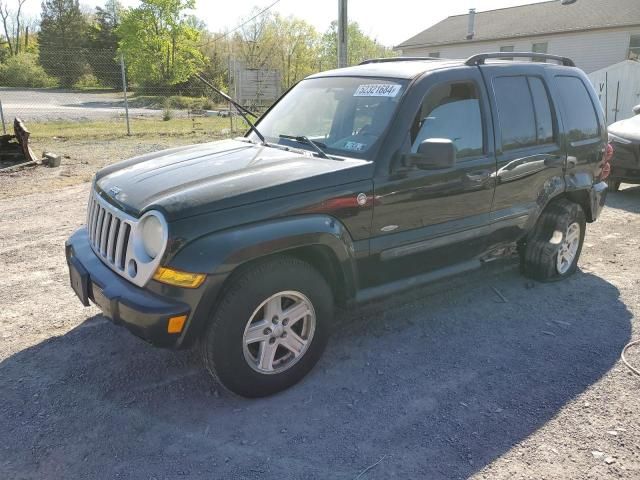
<point>220,253</point>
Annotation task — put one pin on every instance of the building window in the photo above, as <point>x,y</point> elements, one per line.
<point>539,48</point>
<point>507,48</point>
<point>434,54</point>
<point>634,47</point>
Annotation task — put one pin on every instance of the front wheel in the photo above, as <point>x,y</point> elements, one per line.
<point>270,328</point>
<point>553,250</point>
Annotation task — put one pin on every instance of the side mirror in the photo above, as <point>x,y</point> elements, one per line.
<point>434,153</point>
<point>636,110</point>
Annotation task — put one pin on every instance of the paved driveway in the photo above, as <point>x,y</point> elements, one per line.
<point>33,105</point>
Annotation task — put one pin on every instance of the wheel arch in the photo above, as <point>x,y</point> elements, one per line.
<point>582,198</point>
<point>320,240</point>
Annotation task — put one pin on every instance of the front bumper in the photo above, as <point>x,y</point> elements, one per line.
<point>144,313</point>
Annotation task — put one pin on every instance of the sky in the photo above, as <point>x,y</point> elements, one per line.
<point>388,21</point>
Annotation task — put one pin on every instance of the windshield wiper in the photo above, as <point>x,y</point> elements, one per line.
<point>308,141</point>
<point>241,110</point>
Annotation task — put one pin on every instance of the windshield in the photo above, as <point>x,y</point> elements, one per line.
<point>341,115</point>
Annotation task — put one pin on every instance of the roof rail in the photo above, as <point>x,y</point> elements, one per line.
<point>397,59</point>
<point>481,57</point>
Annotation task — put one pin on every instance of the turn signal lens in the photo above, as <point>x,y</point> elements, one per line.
<point>178,278</point>
<point>176,323</point>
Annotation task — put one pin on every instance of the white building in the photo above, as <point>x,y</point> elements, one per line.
<point>594,33</point>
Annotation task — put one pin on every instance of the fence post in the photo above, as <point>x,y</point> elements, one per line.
<point>124,90</point>
<point>4,127</point>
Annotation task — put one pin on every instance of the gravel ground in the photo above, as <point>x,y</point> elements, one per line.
<point>446,381</point>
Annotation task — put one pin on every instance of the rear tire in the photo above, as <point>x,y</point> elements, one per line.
<point>251,346</point>
<point>613,185</point>
<point>553,250</point>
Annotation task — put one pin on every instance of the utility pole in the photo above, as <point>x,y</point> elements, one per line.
<point>343,26</point>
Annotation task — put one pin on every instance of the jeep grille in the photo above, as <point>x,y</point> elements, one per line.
<point>109,230</point>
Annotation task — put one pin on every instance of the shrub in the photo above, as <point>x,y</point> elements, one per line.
<point>167,113</point>
<point>23,70</point>
<point>86,81</point>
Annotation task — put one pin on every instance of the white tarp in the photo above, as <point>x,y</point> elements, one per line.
<point>618,87</point>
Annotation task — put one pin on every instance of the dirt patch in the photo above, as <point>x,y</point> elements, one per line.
<point>82,158</point>
<point>448,381</point>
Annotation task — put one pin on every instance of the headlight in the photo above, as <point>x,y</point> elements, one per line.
<point>153,235</point>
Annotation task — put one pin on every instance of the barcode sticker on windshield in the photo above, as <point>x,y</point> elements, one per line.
<point>378,90</point>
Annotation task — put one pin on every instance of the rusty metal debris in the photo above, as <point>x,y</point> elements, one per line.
<point>14,149</point>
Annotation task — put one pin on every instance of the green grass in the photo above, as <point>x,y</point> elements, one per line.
<point>177,102</point>
<point>139,128</point>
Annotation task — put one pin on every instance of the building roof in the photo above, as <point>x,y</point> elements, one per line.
<point>530,20</point>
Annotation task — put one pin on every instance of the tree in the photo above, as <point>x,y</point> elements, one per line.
<point>256,41</point>
<point>62,35</point>
<point>160,43</point>
<point>360,46</point>
<point>297,48</point>
<point>103,42</point>
<point>12,24</point>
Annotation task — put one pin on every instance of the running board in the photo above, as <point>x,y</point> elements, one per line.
<point>386,289</point>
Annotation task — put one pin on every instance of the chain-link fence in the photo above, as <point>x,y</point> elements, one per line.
<point>81,92</point>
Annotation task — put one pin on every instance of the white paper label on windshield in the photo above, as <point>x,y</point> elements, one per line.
<point>378,90</point>
<point>355,146</point>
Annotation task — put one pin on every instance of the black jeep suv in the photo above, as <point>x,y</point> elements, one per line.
<point>357,183</point>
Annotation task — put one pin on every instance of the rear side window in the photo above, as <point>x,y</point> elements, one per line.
<point>542,109</point>
<point>579,113</point>
<point>524,112</point>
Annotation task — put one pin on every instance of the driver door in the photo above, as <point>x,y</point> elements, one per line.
<point>429,218</point>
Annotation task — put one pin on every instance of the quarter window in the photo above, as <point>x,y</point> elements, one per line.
<point>579,112</point>
<point>451,111</point>
<point>524,112</point>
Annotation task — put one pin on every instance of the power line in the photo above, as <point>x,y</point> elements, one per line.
<point>224,35</point>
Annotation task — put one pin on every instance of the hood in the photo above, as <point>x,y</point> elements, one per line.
<point>628,129</point>
<point>202,178</point>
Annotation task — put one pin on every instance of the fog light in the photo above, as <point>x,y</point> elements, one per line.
<point>176,324</point>
<point>178,278</point>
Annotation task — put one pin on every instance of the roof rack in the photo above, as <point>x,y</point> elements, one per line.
<point>481,57</point>
<point>397,59</point>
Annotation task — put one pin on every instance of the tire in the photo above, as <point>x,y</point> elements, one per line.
<point>546,256</point>
<point>254,294</point>
<point>613,184</point>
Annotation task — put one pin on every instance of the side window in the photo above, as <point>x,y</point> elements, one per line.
<point>452,111</point>
<point>515,112</point>
<point>542,108</point>
<point>579,112</point>
<point>524,112</point>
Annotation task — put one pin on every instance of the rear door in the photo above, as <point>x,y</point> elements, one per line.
<point>529,153</point>
<point>584,126</point>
